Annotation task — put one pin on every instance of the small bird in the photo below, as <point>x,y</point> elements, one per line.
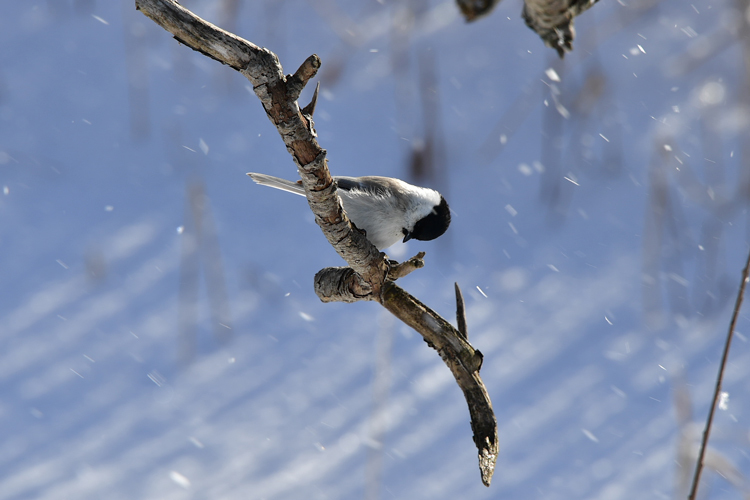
<point>386,209</point>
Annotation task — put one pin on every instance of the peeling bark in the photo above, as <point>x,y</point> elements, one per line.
<point>370,274</point>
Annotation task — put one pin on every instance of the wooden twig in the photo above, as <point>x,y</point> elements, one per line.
<point>309,110</point>
<point>399,270</point>
<point>464,362</point>
<point>719,379</point>
<point>370,274</point>
<point>461,313</point>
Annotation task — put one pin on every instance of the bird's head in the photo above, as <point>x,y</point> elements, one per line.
<point>431,225</point>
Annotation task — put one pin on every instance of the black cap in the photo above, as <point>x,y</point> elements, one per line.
<point>433,224</point>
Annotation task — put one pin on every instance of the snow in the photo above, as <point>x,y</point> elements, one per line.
<point>590,318</point>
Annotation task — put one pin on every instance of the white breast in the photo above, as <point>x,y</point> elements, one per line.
<point>374,215</point>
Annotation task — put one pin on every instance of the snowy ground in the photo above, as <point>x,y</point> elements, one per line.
<point>593,300</point>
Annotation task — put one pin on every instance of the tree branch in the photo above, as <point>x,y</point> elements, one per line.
<point>719,379</point>
<point>464,362</point>
<point>552,20</point>
<point>461,314</point>
<point>370,274</point>
<point>279,94</point>
<point>406,267</point>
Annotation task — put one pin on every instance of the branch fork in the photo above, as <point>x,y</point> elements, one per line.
<point>369,275</point>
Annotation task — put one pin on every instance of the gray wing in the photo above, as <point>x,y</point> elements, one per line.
<point>378,186</point>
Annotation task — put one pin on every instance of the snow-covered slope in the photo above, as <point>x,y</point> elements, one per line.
<point>106,123</point>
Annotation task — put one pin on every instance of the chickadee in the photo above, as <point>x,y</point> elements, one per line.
<point>386,209</point>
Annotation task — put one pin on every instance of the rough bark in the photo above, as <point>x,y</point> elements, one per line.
<point>370,274</point>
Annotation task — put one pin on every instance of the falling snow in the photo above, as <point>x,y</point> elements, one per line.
<point>598,234</point>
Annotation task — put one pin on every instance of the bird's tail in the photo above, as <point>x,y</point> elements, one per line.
<point>275,182</point>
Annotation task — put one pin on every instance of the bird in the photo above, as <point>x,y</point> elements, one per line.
<point>385,208</point>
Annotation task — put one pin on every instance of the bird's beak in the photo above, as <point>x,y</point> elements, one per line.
<point>407,237</point>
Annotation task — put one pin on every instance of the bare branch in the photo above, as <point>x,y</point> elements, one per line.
<point>461,314</point>
<point>464,362</point>
<point>341,284</point>
<point>201,35</point>
<point>370,275</point>
<point>407,267</point>
<point>719,379</point>
<point>278,95</point>
<point>309,110</point>
<point>304,74</point>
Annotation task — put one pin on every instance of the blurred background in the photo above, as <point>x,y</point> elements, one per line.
<point>159,334</point>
